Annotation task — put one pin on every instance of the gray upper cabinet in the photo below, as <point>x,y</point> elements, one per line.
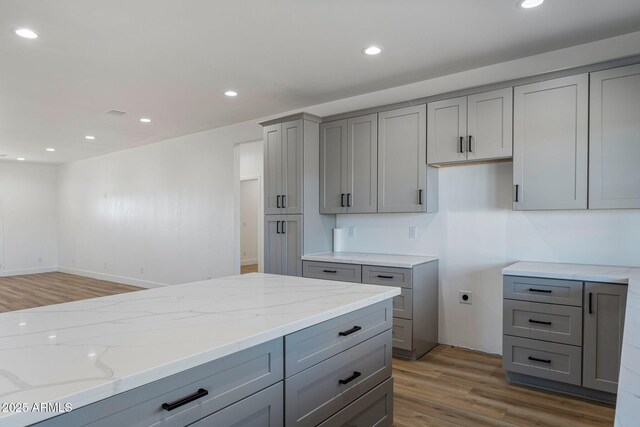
<point>349,165</point>
<point>283,176</point>
<point>283,245</point>
<point>402,160</point>
<point>470,128</point>
<point>550,144</point>
<point>604,311</point>
<point>614,139</point>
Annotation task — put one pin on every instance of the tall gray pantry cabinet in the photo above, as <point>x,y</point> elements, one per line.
<point>293,225</point>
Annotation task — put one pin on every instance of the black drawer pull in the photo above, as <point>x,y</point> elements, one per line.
<point>355,375</point>
<point>342,200</point>
<point>545,291</point>
<point>329,271</point>
<point>382,276</point>
<point>350,331</point>
<point>539,322</point>
<point>278,202</point>
<point>535,359</point>
<point>178,403</point>
<point>284,201</point>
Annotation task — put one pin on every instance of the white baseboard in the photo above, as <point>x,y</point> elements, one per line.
<point>112,278</point>
<point>248,261</point>
<point>24,271</point>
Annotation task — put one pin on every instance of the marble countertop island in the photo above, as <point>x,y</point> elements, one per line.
<point>628,404</point>
<point>381,260</point>
<point>84,351</point>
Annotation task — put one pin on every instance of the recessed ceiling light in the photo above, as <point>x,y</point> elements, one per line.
<point>145,120</point>
<point>51,149</point>
<point>26,33</point>
<point>22,159</point>
<point>90,137</point>
<point>231,93</point>
<point>528,4</point>
<point>372,50</point>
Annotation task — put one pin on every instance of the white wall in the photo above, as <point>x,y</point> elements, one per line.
<point>28,218</point>
<point>476,234</point>
<point>154,215</point>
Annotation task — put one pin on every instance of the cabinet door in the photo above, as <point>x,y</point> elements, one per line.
<point>447,131</point>
<point>292,152</point>
<point>273,246</point>
<point>402,160</point>
<point>490,125</point>
<point>272,168</point>
<point>362,161</point>
<point>614,144</point>
<point>550,144</point>
<point>604,310</point>
<point>333,167</point>
<point>292,245</point>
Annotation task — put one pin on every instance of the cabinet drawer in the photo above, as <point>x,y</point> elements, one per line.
<point>311,346</point>
<point>402,333</point>
<point>315,394</point>
<point>332,271</point>
<point>263,409</point>
<point>403,304</point>
<point>536,289</point>
<point>387,276</point>
<point>559,362</point>
<point>549,322</point>
<point>373,409</point>
<point>227,380</point>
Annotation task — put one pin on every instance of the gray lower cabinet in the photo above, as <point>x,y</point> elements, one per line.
<point>564,335</point>
<point>614,135</point>
<point>374,409</point>
<point>415,310</point>
<point>283,244</point>
<point>605,306</point>
<point>550,141</point>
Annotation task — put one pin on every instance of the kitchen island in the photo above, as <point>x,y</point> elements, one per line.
<point>82,354</point>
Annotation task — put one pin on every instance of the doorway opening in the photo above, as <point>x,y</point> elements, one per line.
<point>249,224</point>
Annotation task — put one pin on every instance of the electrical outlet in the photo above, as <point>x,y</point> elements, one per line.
<point>352,231</point>
<point>413,233</point>
<point>465,297</point>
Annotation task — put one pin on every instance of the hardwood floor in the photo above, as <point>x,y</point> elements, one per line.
<point>458,387</point>
<point>253,268</point>
<point>35,290</point>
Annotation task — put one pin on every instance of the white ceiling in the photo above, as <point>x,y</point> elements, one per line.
<point>171,60</point>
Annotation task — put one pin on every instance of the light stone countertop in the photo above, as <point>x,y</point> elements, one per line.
<point>380,260</point>
<point>84,351</point>
<point>628,404</point>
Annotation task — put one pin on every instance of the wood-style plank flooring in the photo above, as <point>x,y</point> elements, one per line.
<point>35,290</point>
<point>447,387</point>
<point>253,268</point>
<point>458,387</point>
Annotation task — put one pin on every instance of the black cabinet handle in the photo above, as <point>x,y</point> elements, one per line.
<point>278,202</point>
<point>382,276</point>
<point>178,403</point>
<point>329,271</point>
<point>284,201</point>
<point>461,142</point>
<point>342,200</point>
<point>517,190</point>
<point>590,301</point>
<point>284,227</point>
<point>420,196</point>
<point>348,200</point>
<point>469,141</point>
<point>544,291</point>
<point>355,375</point>
<point>539,322</point>
<point>277,227</point>
<point>535,359</point>
<point>349,331</point>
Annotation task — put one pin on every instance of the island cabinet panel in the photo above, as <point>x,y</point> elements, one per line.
<point>315,394</point>
<point>614,138</point>
<point>312,345</point>
<point>373,409</point>
<point>263,409</point>
<point>212,386</point>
